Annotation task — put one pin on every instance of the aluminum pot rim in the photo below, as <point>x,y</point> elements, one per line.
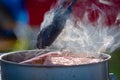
<point>46,66</point>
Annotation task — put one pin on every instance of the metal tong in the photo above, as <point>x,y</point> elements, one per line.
<point>49,33</point>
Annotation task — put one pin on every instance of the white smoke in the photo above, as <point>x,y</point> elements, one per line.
<point>85,37</point>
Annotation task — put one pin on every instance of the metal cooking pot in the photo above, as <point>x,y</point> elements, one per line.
<point>11,70</point>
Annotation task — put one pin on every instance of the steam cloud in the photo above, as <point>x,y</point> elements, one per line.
<point>80,35</point>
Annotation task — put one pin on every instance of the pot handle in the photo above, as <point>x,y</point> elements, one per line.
<point>112,76</point>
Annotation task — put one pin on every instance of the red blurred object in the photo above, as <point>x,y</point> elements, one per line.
<point>109,8</point>
<point>93,15</point>
<point>36,10</point>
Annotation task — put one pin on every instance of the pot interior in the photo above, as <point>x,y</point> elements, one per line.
<point>20,56</point>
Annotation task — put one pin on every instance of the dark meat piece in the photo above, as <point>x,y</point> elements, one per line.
<point>49,33</point>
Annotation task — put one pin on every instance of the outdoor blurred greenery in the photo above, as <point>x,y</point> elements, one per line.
<point>115,63</point>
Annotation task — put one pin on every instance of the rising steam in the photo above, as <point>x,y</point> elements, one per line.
<point>80,35</point>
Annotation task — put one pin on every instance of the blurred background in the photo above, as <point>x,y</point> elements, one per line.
<point>20,23</point>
